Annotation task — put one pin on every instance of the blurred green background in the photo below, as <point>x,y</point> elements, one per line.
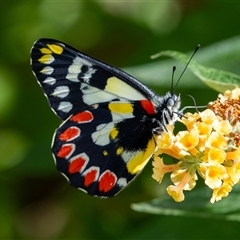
<point>36,201</point>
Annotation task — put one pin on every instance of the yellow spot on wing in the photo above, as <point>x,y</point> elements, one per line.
<point>55,48</point>
<point>137,163</point>
<point>105,153</point>
<point>122,89</point>
<point>45,51</point>
<point>113,133</point>
<point>46,59</point>
<point>119,107</point>
<point>119,150</point>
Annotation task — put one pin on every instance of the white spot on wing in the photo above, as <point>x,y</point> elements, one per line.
<point>65,107</point>
<point>95,95</point>
<point>87,89</point>
<point>81,61</point>
<point>72,77</point>
<point>101,135</point>
<point>122,182</point>
<point>88,75</point>
<point>50,80</point>
<point>75,68</point>
<point>61,91</point>
<point>128,155</point>
<point>47,70</point>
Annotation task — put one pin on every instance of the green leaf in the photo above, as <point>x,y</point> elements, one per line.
<point>222,55</point>
<point>196,204</point>
<point>216,79</point>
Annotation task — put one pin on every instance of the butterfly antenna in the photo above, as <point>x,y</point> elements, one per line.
<point>196,49</point>
<point>173,71</point>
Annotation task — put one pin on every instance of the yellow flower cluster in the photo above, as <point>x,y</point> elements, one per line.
<point>209,148</point>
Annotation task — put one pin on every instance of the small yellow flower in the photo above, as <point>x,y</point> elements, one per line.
<point>209,147</point>
<point>216,140</point>
<point>159,169</point>
<point>190,119</point>
<point>176,192</point>
<point>183,178</point>
<point>213,175</point>
<point>166,145</point>
<point>187,140</point>
<point>216,155</point>
<point>234,173</point>
<point>207,117</point>
<point>222,127</point>
<point>203,130</point>
<point>219,193</point>
<point>183,181</point>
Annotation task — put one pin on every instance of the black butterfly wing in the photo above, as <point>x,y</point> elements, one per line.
<point>107,138</point>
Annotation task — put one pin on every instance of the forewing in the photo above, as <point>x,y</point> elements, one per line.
<point>71,80</point>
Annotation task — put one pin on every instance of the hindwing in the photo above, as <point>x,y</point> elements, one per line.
<point>101,152</point>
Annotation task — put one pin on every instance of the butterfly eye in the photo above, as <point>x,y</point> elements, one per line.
<point>170,102</point>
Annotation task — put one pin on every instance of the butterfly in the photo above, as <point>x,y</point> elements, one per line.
<point>110,119</point>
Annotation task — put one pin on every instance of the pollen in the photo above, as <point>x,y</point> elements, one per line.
<point>226,108</point>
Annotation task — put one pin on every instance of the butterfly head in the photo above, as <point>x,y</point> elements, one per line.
<point>168,111</point>
<point>168,106</point>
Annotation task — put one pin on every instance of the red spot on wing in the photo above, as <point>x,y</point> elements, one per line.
<point>69,134</point>
<point>77,164</point>
<point>107,181</point>
<point>91,175</point>
<point>148,106</point>
<point>66,150</point>
<point>82,117</point>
